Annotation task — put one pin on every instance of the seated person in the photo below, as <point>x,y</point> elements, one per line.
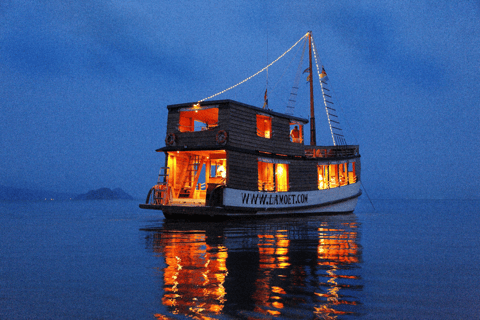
<point>222,173</point>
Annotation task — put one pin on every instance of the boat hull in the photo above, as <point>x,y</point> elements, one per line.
<point>247,204</point>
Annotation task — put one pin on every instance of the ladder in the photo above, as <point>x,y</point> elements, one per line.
<point>190,176</point>
<point>333,121</point>
<point>161,194</point>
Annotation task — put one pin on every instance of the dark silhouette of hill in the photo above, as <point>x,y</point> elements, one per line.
<point>105,194</point>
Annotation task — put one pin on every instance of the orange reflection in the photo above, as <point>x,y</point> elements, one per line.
<point>336,248</point>
<point>273,255</point>
<point>309,268</point>
<point>195,275</point>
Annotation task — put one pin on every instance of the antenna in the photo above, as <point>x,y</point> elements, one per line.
<point>265,98</point>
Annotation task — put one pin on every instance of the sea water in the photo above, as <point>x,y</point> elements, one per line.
<point>405,259</point>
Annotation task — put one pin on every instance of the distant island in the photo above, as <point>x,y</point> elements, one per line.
<point>105,194</point>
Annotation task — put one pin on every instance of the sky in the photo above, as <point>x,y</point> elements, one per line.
<point>84,85</point>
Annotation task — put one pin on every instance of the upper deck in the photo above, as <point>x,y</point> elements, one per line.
<point>231,125</point>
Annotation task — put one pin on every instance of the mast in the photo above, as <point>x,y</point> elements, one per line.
<point>313,140</point>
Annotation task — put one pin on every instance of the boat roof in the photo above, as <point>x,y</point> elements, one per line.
<point>228,101</point>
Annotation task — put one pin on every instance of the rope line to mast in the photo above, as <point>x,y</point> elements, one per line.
<point>266,68</point>
<point>292,99</point>
<point>286,69</point>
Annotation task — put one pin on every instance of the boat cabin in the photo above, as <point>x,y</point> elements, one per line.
<point>226,143</point>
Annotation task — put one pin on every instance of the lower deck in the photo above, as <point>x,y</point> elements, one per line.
<point>196,177</point>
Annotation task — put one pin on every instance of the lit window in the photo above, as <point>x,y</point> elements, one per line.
<point>264,126</point>
<point>352,176</point>
<point>322,177</point>
<point>333,175</point>
<point>273,177</point>
<point>343,174</point>
<point>336,175</point>
<point>281,177</point>
<point>198,120</point>
<point>265,176</point>
<point>296,132</point>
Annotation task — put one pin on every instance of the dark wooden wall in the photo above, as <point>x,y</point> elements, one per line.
<point>240,124</point>
<point>242,129</point>
<point>303,175</point>
<point>242,171</point>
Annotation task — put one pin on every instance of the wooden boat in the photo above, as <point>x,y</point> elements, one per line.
<point>227,159</point>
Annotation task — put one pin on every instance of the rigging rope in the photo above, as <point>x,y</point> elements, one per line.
<point>292,99</point>
<point>351,131</point>
<point>266,68</point>
<point>286,69</point>
<point>323,92</point>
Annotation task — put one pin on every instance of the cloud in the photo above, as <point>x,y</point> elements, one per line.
<point>55,39</point>
<point>377,36</point>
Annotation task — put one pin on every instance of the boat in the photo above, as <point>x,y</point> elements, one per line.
<point>228,159</point>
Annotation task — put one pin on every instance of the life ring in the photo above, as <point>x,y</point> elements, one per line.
<point>170,139</point>
<point>221,137</point>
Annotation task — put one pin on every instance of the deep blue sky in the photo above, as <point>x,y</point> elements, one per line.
<point>84,85</point>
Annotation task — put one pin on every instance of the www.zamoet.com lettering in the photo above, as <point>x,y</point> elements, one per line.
<point>273,199</point>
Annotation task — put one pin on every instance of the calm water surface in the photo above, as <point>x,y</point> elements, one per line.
<point>111,260</point>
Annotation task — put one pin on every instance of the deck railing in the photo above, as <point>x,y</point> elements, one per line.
<point>331,152</point>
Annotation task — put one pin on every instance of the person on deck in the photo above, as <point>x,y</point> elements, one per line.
<point>222,173</point>
<point>295,134</point>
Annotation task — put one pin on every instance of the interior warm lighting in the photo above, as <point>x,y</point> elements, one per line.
<point>266,180</point>
<point>281,177</point>
<point>265,176</point>
<point>336,175</point>
<point>198,119</point>
<point>279,170</point>
<point>264,126</point>
<point>191,172</point>
<point>221,171</point>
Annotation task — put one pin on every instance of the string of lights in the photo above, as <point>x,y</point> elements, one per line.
<point>217,94</point>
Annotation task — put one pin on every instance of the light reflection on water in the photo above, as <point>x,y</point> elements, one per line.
<point>272,268</point>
